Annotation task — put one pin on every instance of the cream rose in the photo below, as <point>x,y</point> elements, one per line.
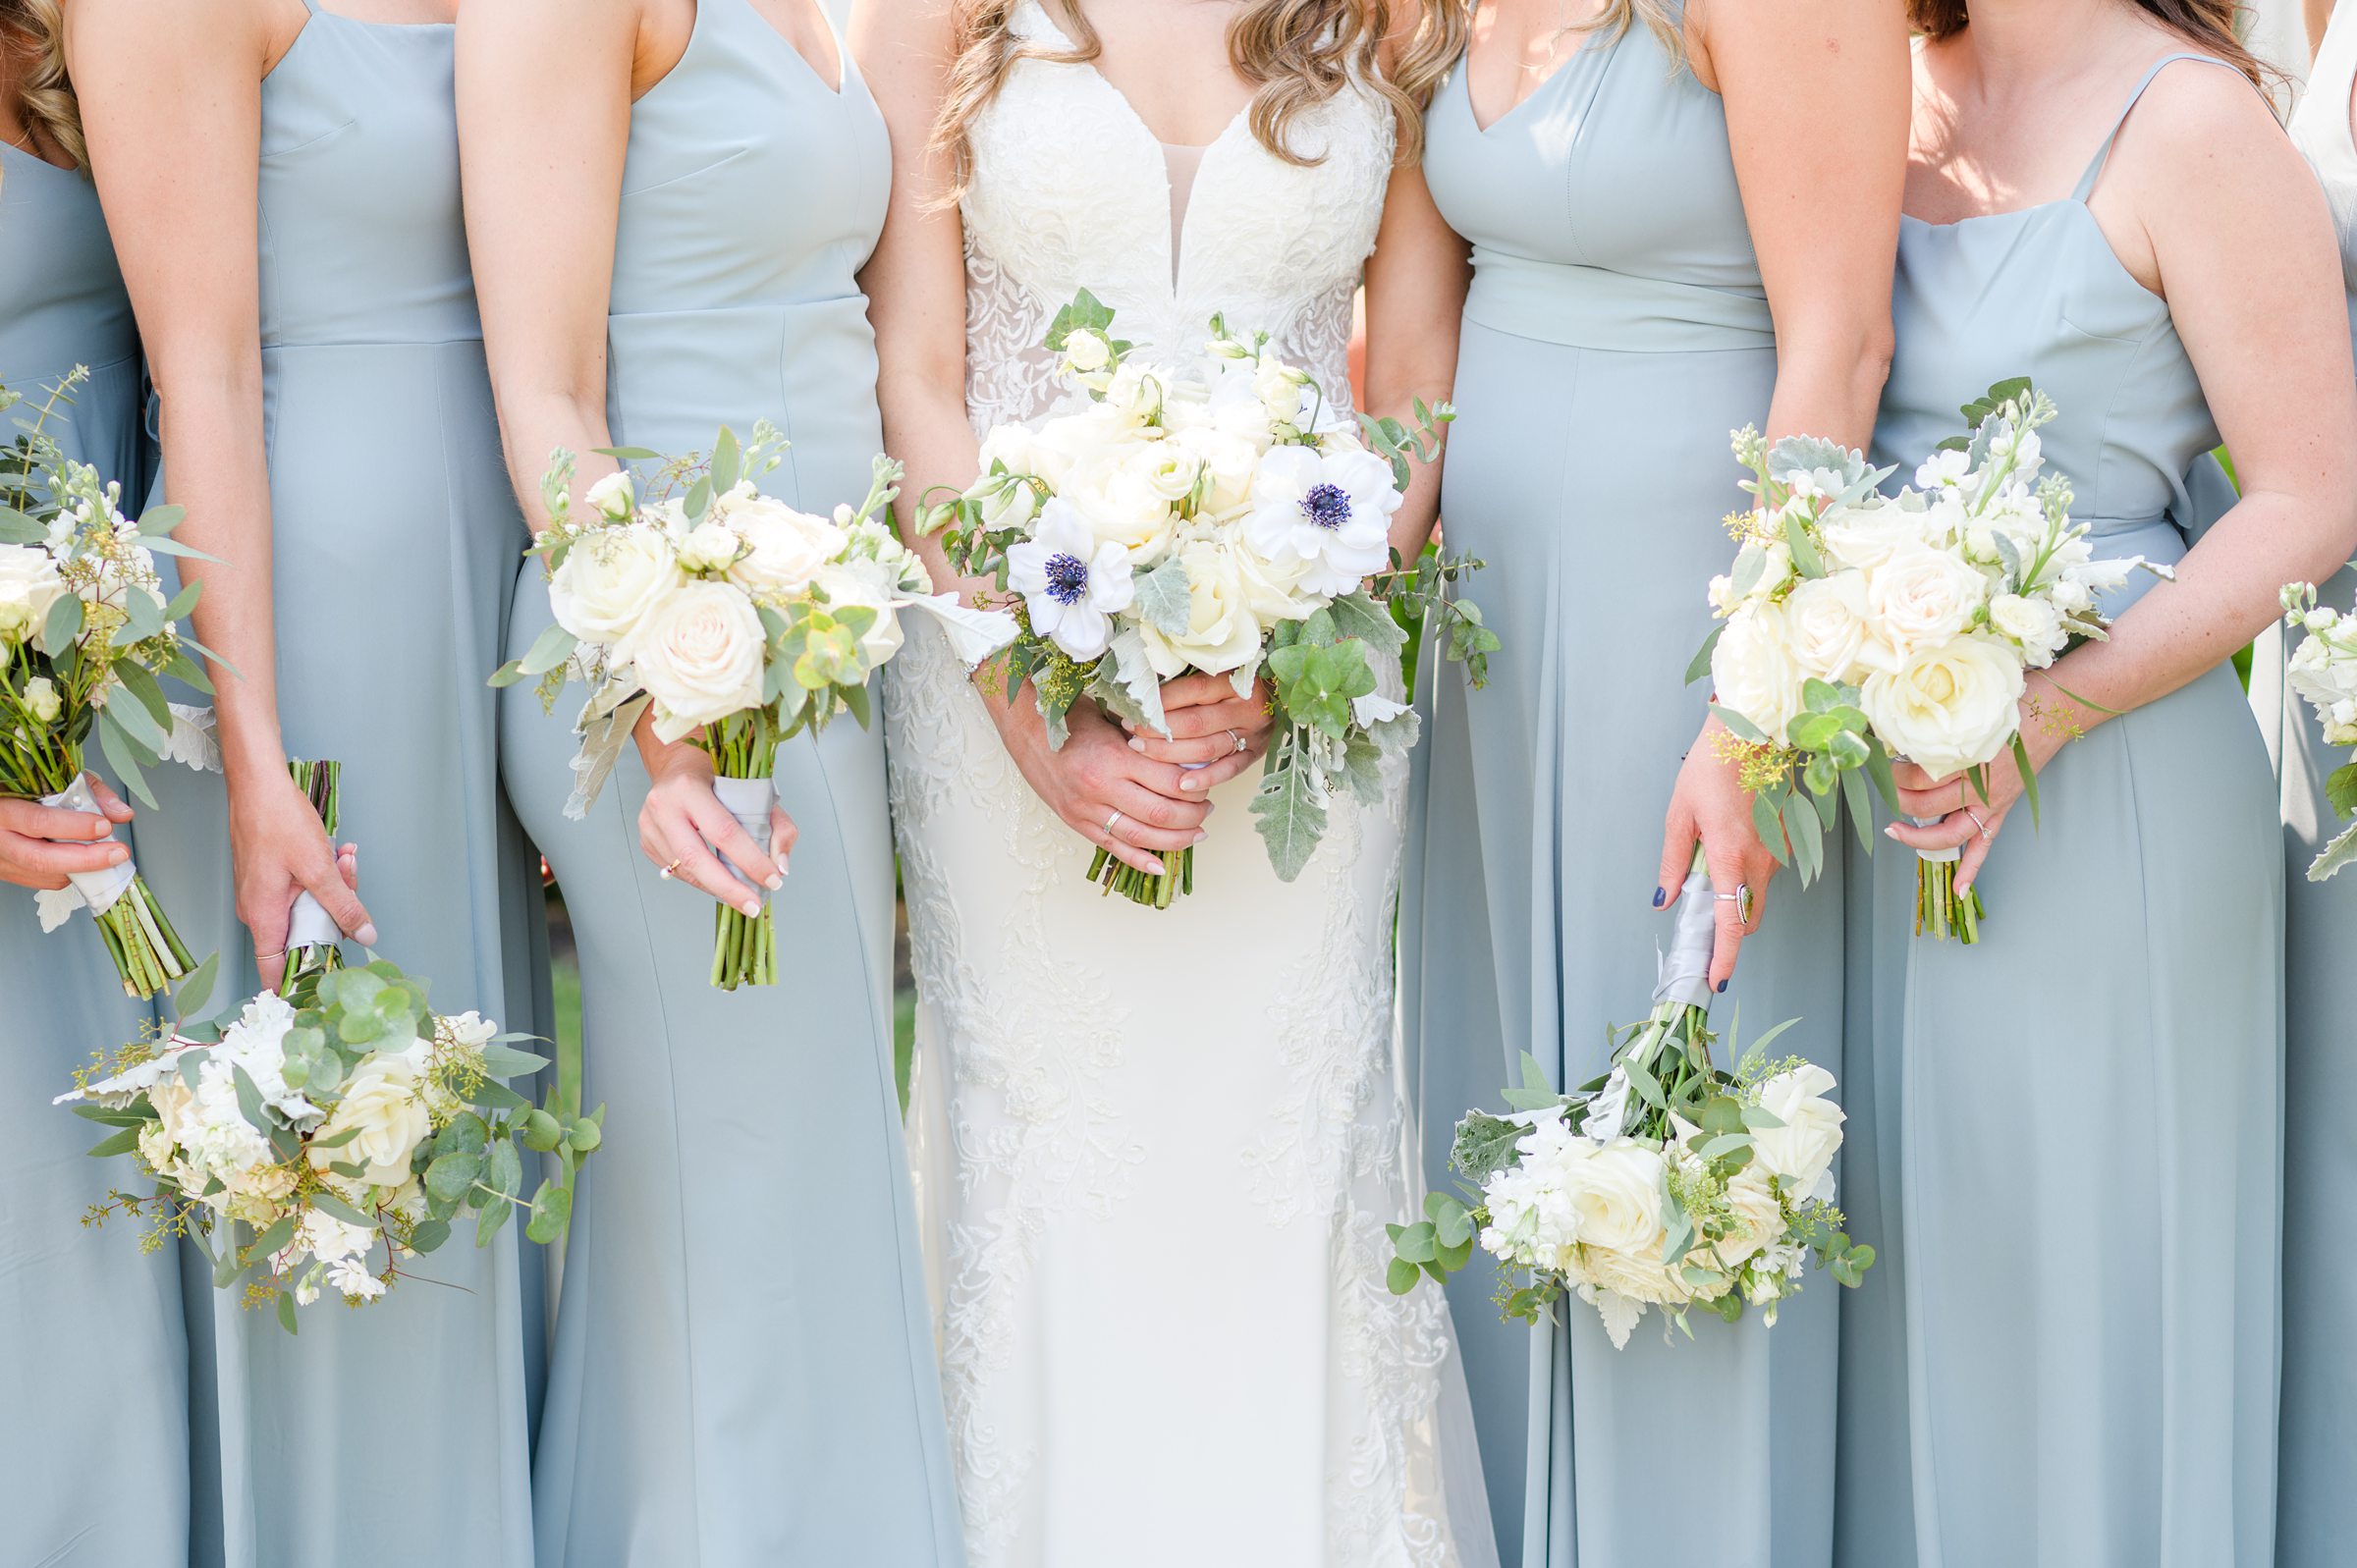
<point>1222,632</point>
<point>41,700</point>
<point>611,581</point>
<point>1921,597</point>
<point>29,586</point>
<point>1866,536</point>
<point>699,655</point>
<point>612,496</point>
<point>1831,630</point>
<point>1800,1153</point>
<point>1228,457</point>
<point>1947,708</point>
<point>1753,669</point>
<point>1616,1190</point>
<point>709,546</point>
<point>381,1105</point>
<point>785,548</point>
<point>1166,469</point>
<point>1121,508</point>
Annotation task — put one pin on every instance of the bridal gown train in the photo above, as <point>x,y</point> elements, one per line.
<point>1162,1145</point>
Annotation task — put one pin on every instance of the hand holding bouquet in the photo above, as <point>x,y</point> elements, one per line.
<point>735,621</point>
<point>84,634</point>
<point>1667,1183</point>
<point>2323,670</point>
<point>299,1146</point>
<point>1858,627</point>
<point>1208,514</point>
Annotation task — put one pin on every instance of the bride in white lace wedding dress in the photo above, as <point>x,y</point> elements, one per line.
<point>1160,1146</point>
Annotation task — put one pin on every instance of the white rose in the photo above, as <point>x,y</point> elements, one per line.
<point>709,546</point>
<point>1121,508</point>
<point>2033,622</point>
<point>1948,708</point>
<point>1866,536</point>
<point>382,1106</point>
<point>785,548</point>
<point>1920,596</point>
<point>1830,630</point>
<point>28,585</point>
<point>1754,671</point>
<point>860,583</point>
<point>1222,632</point>
<point>1166,469</point>
<point>1615,1188</point>
<point>1011,446</point>
<point>1272,588</point>
<point>41,700</point>
<point>1228,457</point>
<point>1278,387</point>
<point>612,496</point>
<point>1638,1277</point>
<point>1759,1218</point>
<point>699,655</point>
<point>611,581</point>
<point>1800,1153</point>
<point>1086,350</point>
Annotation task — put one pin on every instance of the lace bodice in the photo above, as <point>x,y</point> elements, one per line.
<point>1069,191</point>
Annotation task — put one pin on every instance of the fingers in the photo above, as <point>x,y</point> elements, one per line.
<point>1976,850</point>
<point>36,821</point>
<point>1194,752</point>
<point>782,836</point>
<point>728,837</point>
<point>1677,855</point>
<point>108,802</point>
<point>1204,779</point>
<point>1727,877</point>
<point>1949,832</point>
<point>1908,777</point>
<point>1195,690</point>
<point>673,843</point>
<point>1153,820</point>
<point>32,862</point>
<point>266,923</point>
<point>347,866</point>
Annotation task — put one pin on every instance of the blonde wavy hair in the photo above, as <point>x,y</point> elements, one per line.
<point>32,31</point>
<point>1296,54</point>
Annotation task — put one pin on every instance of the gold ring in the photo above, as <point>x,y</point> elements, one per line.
<point>671,870</point>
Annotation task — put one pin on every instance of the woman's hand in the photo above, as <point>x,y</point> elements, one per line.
<point>41,845</point>
<point>1960,818</point>
<point>280,848</point>
<point>682,824</point>
<point>1215,735</point>
<point>1710,803</point>
<point>1115,799</point>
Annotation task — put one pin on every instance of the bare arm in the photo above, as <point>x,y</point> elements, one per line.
<point>1817,95</point>
<point>2319,15</point>
<point>170,99</point>
<point>1416,283</point>
<point>545,88</point>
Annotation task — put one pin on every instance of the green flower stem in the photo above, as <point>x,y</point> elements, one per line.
<point>1177,878</point>
<point>149,953</point>
<point>1938,912</point>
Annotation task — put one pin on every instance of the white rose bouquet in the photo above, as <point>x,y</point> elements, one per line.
<point>2323,670</point>
<point>319,1146</point>
<point>1667,1183</point>
<point>84,634</point>
<point>1210,513</point>
<point>736,619</point>
<point>1858,627</point>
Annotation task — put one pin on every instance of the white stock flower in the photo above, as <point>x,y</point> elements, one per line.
<point>1753,667</point>
<point>1800,1153</point>
<point>380,1106</point>
<point>28,585</point>
<point>1831,630</point>
<point>41,700</point>
<point>2033,622</point>
<point>784,547</point>
<point>611,581</point>
<point>699,655</point>
<point>1072,583</point>
<point>1920,596</point>
<point>1947,708</point>
<point>1944,470</point>
<point>1331,513</point>
<point>1222,633</point>
<point>612,496</point>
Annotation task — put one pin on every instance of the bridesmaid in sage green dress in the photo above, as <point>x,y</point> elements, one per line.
<point>292,241</point>
<point>2317,1510</point>
<point>2084,1138</point>
<point>1641,287</point>
<point>743,1369</point>
<point>66,1289</point>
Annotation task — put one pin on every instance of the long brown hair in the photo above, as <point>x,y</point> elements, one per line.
<point>2208,23</point>
<point>33,32</point>
<point>1296,54</point>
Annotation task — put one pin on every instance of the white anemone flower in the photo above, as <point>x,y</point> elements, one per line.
<point>1071,585</point>
<point>1332,513</point>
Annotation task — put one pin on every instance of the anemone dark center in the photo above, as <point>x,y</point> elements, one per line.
<point>1068,578</point>
<point>1327,506</point>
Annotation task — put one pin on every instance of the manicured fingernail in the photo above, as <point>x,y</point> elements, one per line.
<point>1200,836</point>
<point>776,882</point>
<point>365,936</point>
<point>1137,745</point>
<point>1661,896</point>
<point>784,866</point>
<point>117,856</point>
<point>1721,985</point>
<point>1191,781</point>
<point>1890,832</point>
<point>1156,868</point>
<point>752,908</point>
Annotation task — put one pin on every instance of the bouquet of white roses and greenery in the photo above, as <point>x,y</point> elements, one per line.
<point>1667,1183</point>
<point>84,634</point>
<point>1211,513</point>
<point>2323,668</point>
<point>1858,627</point>
<point>318,1143</point>
<point>736,619</point>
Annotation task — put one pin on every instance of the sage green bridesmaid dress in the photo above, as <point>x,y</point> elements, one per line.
<point>743,1368</point>
<point>2317,1511</point>
<point>2074,1125</point>
<point>91,1332</point>
<point>400,1433</point>
<point>1616,331</point>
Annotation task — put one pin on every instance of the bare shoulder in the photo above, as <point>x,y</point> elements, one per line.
<point>2204,114</point>
<point>899,36</point>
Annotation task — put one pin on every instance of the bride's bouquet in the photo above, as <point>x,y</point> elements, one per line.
<point>736,619</point>
<point>1210,513</point>
<point>319,1146</point>
<point>1669,1182</point>
<point>84,634</point>
<point>1857,627</point>
<point>2323,670</point>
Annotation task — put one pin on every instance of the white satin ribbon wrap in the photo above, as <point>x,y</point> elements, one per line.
<point>749,802</point>
<point>1934,857</point>
<point>309,925</point>
<point>1685,969</point>
<point>99,889</point>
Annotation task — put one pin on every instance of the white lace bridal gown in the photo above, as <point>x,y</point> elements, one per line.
<point>1163,1145</point>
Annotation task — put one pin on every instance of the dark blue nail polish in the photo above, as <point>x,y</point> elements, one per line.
<point>1721,985</point>
<point>1658,894</point>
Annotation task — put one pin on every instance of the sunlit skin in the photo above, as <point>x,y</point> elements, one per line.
<point>1169,58</point>
<point>545,88</point>
<point>1821,193</point>
<point>2207,205</point>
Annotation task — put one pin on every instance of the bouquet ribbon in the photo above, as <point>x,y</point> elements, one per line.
<point>99,889</point>
<point>1934,857</point>
<point>309,925</point>
<point>1685,969</point>
<point>749,802</point>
